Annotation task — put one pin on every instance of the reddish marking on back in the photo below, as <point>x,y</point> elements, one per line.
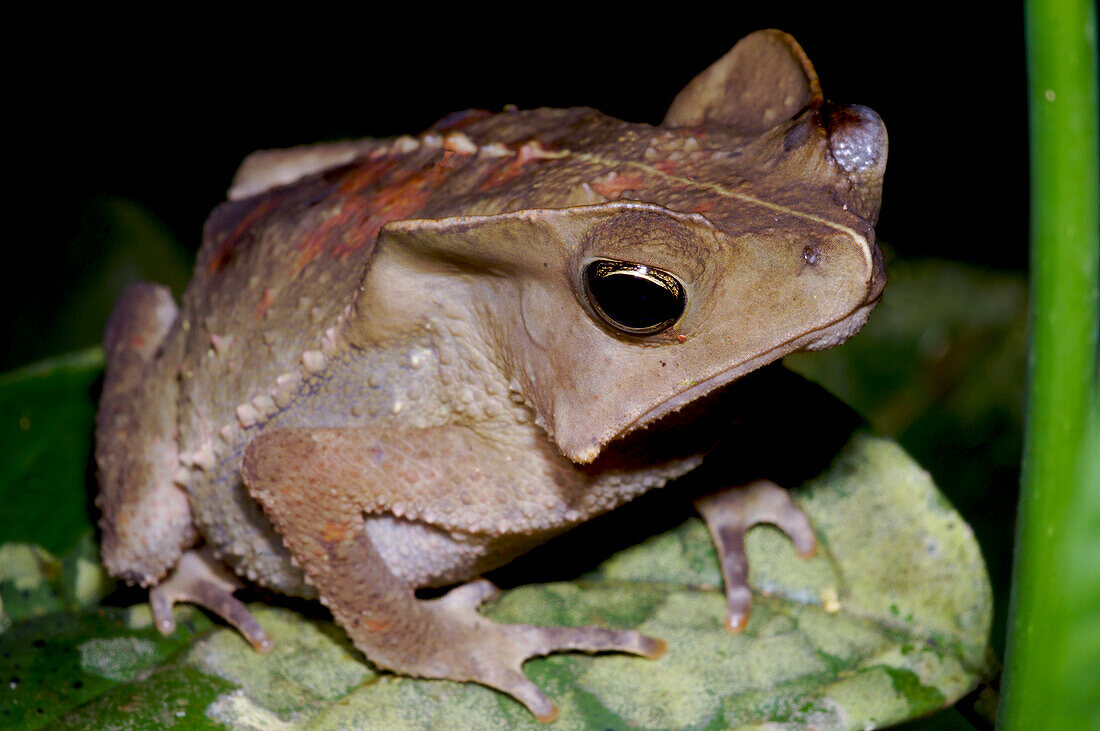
<point>531,151</point>
<point>612,185</point>
<point>227,248</point>
<point>354,186</point>
<point>703,206</point>
<point>370,197</point>
<point>668,167</point>
<point>364,177</point>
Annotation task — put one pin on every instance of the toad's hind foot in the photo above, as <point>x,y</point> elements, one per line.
<point>315,485</point>
<point>729,514</point>
<point>200,579</point>
<point>492,654</point>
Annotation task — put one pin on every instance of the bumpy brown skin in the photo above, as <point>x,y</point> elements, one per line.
<point>386,373</point>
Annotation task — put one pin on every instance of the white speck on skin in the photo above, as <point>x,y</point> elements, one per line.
<point>221,343</point>
<point>460,143</point>
<point>496,149</point>
<point>263,404</point>
<point>246,415</point>
<point>328,342</point>
<point>286,380</point>
<point>405,144</point>
<point>281,397</point>
<point>204,458</point>
<point>314,361</point>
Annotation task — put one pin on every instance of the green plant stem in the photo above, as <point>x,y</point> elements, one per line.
<point>1052,637</point>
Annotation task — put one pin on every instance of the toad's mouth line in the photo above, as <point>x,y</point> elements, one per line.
<point>682,398</point>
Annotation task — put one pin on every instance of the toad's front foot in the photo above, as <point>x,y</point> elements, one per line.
<point>491,654</point>
<point>729,514</point>
<point>200,579</point>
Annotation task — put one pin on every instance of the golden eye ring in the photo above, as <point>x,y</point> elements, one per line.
<point>633,298</point>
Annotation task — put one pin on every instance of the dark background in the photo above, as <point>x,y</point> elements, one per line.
<point>129,130</point>
<point>160,112</point>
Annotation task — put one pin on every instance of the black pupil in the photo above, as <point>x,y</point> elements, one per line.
<point>633,298</point>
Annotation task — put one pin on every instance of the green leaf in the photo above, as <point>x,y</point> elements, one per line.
<point>34,582</point>
<point>940,368</point>
<point>46,425</point>
<point>57,663</point>
<point>889,621</point>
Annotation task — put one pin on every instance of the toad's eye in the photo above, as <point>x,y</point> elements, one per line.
<point>633,298</point>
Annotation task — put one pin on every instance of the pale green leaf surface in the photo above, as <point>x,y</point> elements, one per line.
<point>888,621</point>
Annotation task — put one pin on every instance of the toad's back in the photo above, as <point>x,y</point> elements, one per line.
<point>279,270</point>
